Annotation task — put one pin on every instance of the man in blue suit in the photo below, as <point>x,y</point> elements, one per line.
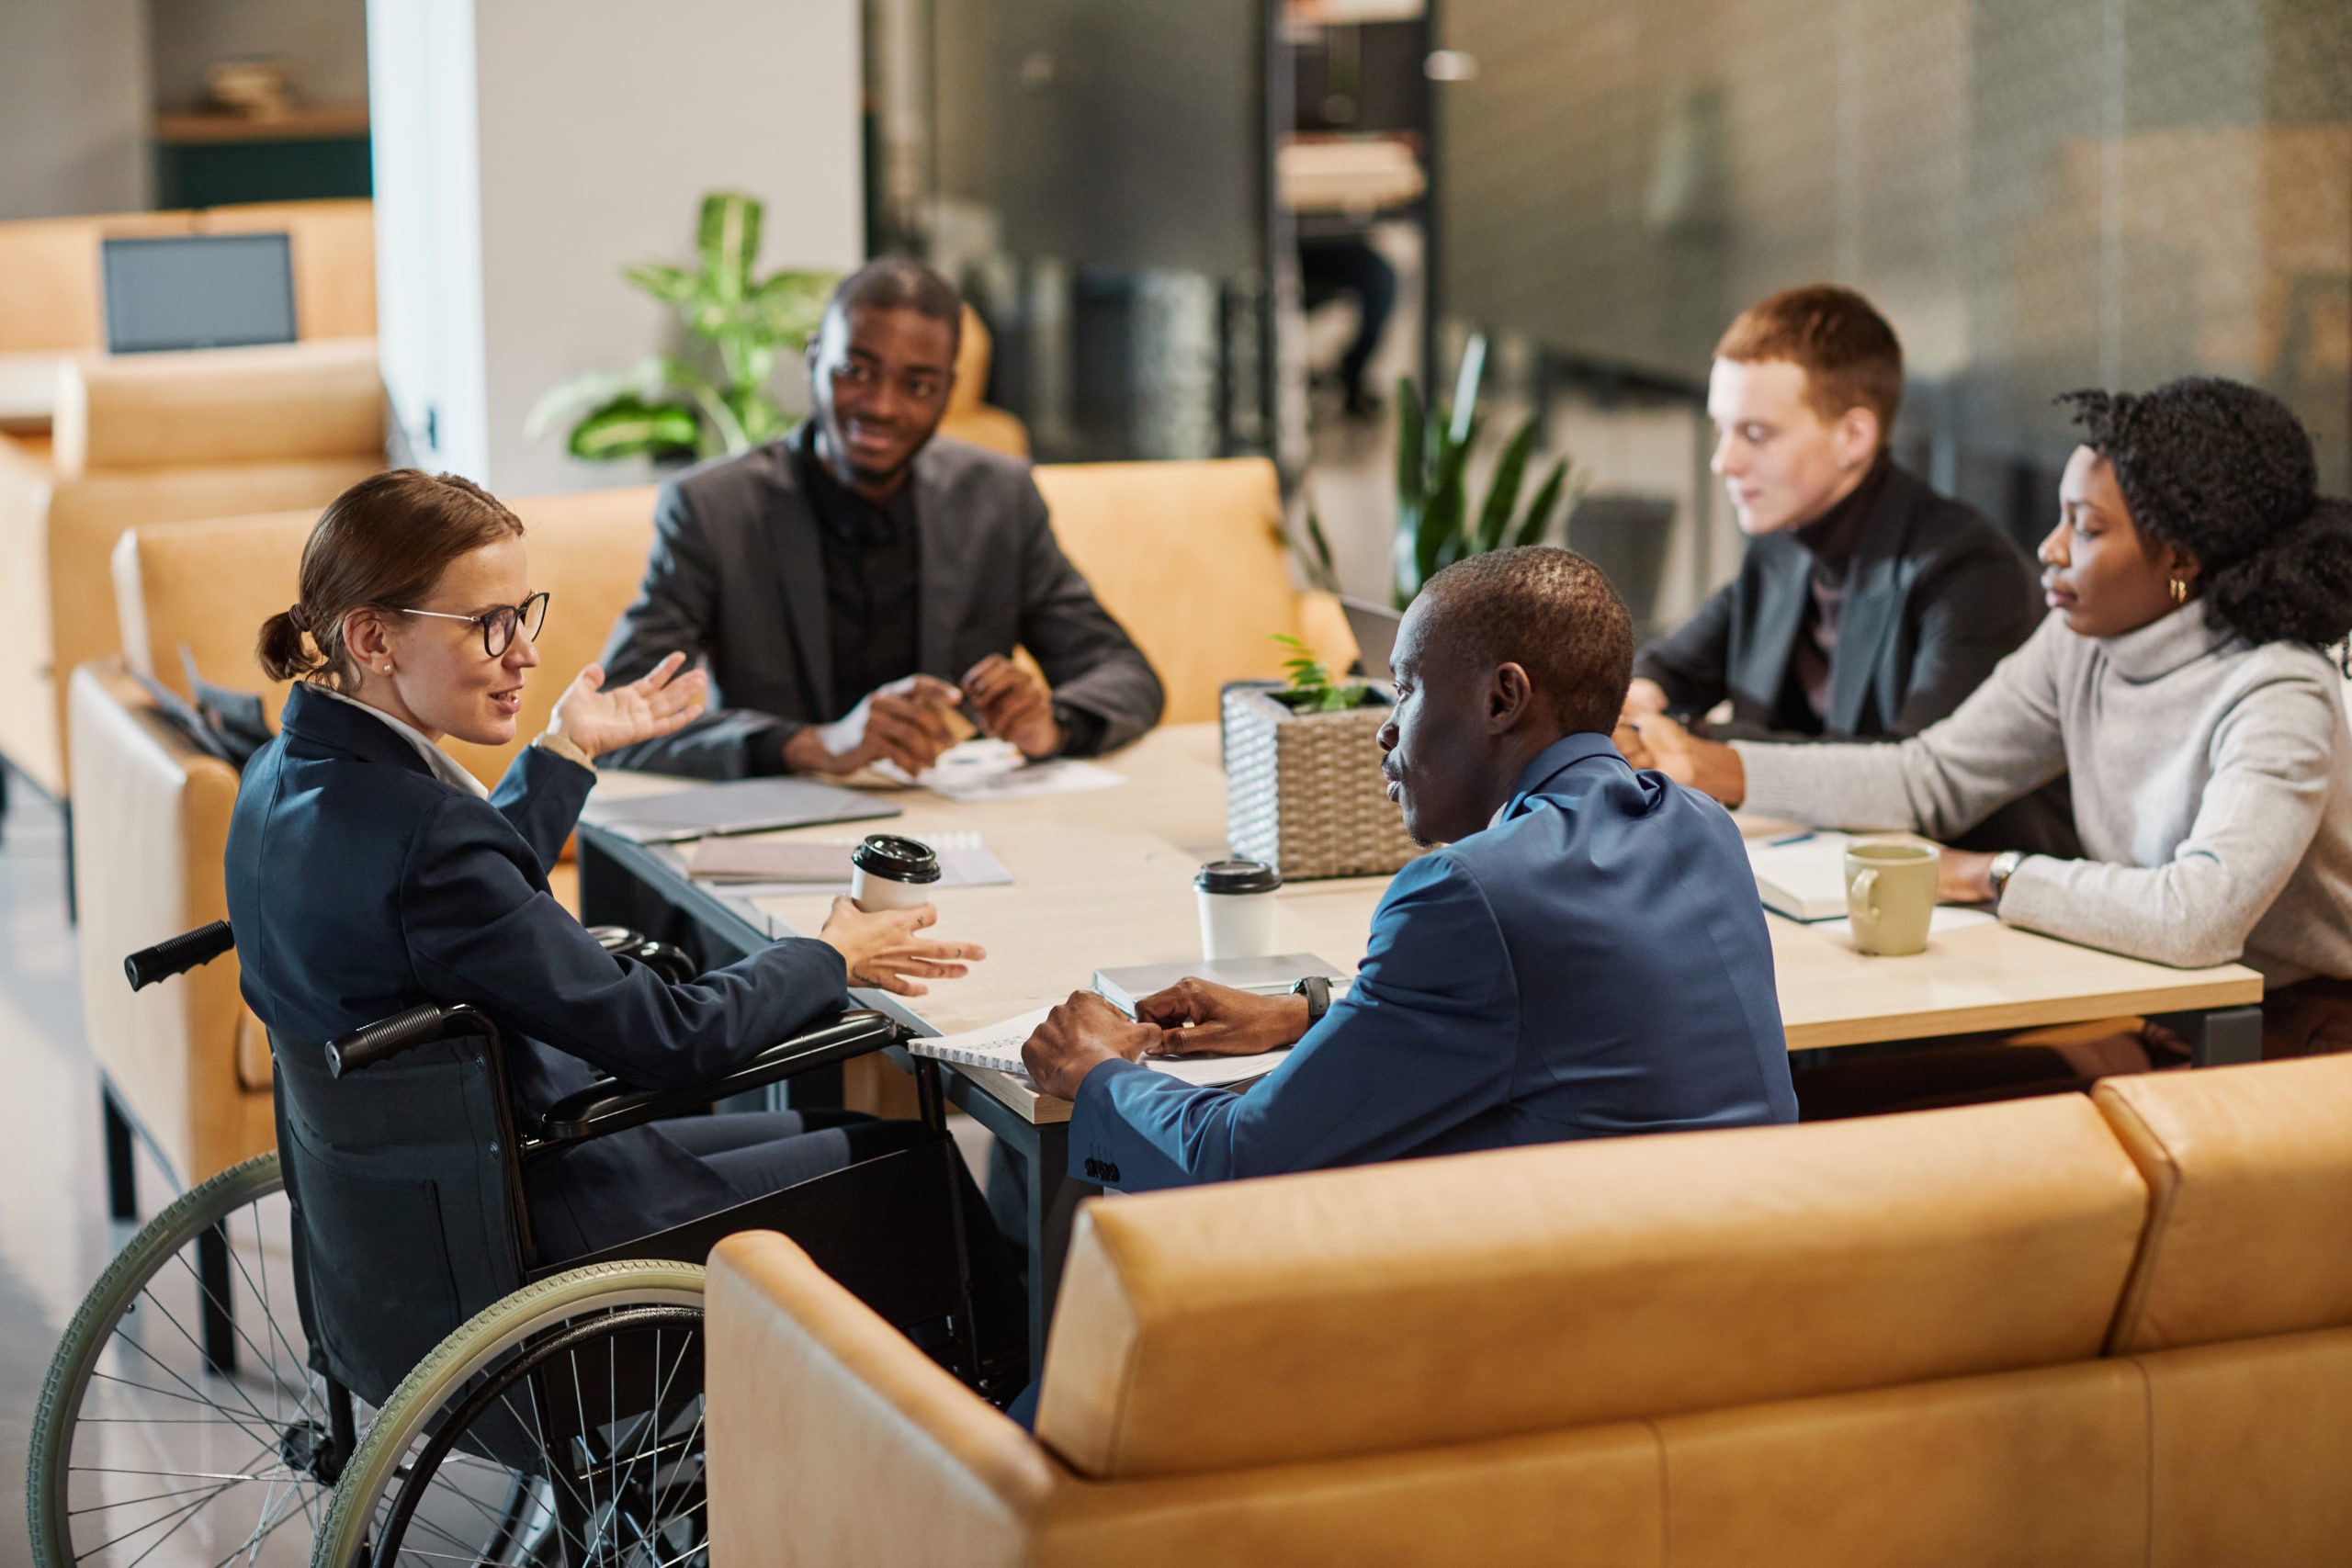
<point>1584,957</point>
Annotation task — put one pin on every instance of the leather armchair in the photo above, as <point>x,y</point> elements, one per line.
<point>186,1060</point>
<point>1189,557</point>
<point>152,438</point>
<point>969,416</point>
<point>1923,1338</point>
<point>53,302</point>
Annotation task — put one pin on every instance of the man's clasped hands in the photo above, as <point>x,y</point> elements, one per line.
<point>1191,1017</point>
<point>910,722</point>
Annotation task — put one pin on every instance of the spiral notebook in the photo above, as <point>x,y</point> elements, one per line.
<point>997,1046</point>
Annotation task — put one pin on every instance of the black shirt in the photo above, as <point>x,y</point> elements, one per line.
<point>873,579</point>
<point>1831,539</point>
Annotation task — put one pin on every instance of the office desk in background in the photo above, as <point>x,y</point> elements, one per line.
<point>1105,878</point>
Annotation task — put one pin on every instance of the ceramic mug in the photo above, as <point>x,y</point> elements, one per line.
<point>1890,893</point>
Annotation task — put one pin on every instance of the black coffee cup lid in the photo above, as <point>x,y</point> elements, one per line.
<point>895,858</point>
<point>1238,876</point>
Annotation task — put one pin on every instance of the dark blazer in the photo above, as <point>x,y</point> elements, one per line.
<point>737,576</point>
<point>1594,963</point>
<point>1936,595</point>
<point>360,886</point>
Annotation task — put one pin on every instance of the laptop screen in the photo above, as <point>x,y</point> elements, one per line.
<point>1375,631</point>
<point>198,292</point>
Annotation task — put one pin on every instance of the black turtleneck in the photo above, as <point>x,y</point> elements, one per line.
<point>872,558</point>
<point>1831,539</point>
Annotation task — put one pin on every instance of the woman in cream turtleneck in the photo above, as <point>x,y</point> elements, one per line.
<point>2194,576</point>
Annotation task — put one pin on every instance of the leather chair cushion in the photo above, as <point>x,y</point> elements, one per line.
<point>1189,557</point>
<point>219,407</point>
<point>2047,1466</point>
<point>1529,1290</point>
<point>173,1052</point>
<point>2250,1175</point>
<point>2251,1445</point>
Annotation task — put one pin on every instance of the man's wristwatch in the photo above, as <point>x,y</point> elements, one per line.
<point>1316,989</point>
<point>2005,865</point>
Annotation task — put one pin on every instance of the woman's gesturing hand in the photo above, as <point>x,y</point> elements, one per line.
<point>596,720</point>
<point>883,951</point>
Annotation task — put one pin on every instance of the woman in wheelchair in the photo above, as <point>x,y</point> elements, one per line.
<point>368,871</point>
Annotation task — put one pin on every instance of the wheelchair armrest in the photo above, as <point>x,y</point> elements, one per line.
<point>611,1106</point>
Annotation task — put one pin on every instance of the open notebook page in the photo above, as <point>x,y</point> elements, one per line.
<point>998,1046</point>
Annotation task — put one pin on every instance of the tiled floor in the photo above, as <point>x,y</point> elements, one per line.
<point>54,1236</point>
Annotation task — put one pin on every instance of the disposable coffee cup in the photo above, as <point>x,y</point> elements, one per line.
<point>1891,895</point>
<point>1237,900</point>
<point>890,872</point>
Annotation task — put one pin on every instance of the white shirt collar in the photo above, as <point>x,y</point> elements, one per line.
<point>444,766</point>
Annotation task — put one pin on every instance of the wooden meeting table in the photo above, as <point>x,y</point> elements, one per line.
<point>1104,879</point>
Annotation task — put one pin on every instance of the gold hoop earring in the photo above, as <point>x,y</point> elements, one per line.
<point>2179,596</point>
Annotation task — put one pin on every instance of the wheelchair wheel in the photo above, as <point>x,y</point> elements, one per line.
<point>561,1426</point>
<point>181,1421</point>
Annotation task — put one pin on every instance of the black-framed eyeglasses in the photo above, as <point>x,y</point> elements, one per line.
<point>497,625</point>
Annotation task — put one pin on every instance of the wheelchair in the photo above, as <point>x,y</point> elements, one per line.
<point>347,1351</point>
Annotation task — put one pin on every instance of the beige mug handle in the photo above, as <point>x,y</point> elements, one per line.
<point>1865,891</point>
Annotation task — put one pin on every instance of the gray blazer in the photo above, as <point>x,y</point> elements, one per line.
<point>737,578</point>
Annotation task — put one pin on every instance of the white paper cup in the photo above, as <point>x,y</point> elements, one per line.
<point>890,872</point>
<point>1236,903</point>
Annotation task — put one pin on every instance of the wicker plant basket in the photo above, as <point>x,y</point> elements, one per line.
<point>1303,791</point>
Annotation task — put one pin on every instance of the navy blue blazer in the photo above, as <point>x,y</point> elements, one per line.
<point>360,886</point>
<point>1595,962</point>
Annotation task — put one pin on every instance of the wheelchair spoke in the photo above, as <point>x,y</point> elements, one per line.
<point>194,1396</point>
<point>226,1310</point>
<point>197,1346</point>
<point>185,1512</point>
<point>261,1291</point>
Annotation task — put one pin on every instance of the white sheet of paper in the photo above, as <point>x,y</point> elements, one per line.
<point>995,769</point>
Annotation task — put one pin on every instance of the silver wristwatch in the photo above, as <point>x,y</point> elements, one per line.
<point>2005,865</point>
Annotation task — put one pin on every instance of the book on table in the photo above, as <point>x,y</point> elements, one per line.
<point>740,805</point>
<point>1803,876</point>
<point>997,1047</point>
<point>1123,988</point>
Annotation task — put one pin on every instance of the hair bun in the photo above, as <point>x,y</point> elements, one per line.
<point>298,616</point>
<point>2298,587</point>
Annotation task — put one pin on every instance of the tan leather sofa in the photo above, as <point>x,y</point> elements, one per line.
<point>154,438</point>
<point>54,301</point>
<point>1189,556</point>
<point>185,1060</point>
<point>969,416</point>
<point>2055,1331</point>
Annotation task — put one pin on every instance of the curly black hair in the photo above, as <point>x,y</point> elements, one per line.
<point>2226,472</point>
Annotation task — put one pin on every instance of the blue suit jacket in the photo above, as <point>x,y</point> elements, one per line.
<point>359,886</point>
<point>1593,964</point>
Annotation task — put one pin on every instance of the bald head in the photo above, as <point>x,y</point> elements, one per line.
<point>1547,610</point>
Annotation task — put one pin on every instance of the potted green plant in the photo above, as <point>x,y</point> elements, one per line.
<point>1436,525</point>
<point>715,401</point>
<point>1304,790</point>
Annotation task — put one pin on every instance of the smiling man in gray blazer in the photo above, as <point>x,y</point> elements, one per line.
<point>858,584</point>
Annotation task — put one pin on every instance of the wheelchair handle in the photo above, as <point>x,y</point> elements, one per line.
<point>177,956</point>
<point>382,1041</point>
